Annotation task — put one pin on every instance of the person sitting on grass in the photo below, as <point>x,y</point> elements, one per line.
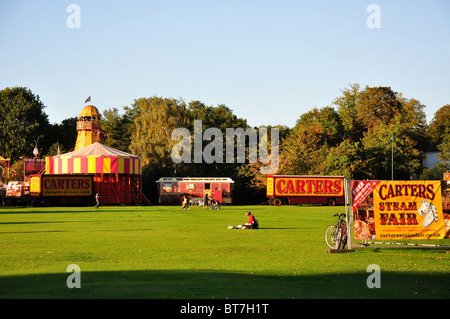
<point>251,224</point>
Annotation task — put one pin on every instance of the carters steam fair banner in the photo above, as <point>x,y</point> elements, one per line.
<point>399,210</point>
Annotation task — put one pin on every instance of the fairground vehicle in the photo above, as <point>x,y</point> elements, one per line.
<point>17,193</point>
<point>172,189</point>
<point>305,189</point>
<point>336,235</point>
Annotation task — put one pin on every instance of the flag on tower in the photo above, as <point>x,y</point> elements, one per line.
<point>88,100</point>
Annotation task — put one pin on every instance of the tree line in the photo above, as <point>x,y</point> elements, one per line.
<point>360,135</point>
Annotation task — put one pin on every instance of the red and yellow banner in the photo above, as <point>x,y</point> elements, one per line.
<point>408,210</point>
<point>311,186</point>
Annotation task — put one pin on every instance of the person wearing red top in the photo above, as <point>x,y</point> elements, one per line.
<point>251,219</point>
<point>250,224</point>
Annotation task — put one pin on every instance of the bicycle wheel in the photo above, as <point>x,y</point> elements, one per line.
<point>330,236</point>
<point>337,243</point>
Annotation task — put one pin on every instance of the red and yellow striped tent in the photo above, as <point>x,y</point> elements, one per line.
<point>95,158</point>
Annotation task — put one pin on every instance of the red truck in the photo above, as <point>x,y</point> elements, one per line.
<point>305,189</point>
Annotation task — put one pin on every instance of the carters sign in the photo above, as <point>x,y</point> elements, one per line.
<point>66,185</point>
<point>408,210</point>
<point>312,186</point>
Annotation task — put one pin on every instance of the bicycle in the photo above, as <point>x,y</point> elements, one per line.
<point>336,235</point>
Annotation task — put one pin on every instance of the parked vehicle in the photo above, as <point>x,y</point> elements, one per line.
<point>305,189</point>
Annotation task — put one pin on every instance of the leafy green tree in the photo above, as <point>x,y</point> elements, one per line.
<point>154,120</point>
<point>439,130</point>
<point>119,128</point>
<point>439,124</point>
<point>66,134</point>
<point>327,121</point>
<point>370,117</point>
<point>352,126</point>
<point>157,118</point>
<point>444,156</point>
<point>220,117</point>
<point>378,145</point>
<point>377,105</point>
<point>305,149</point>
<point>349,160</point>
<point>301,149</point>
<point>23,124</point>
<point>53,150</point>
<point>443,165</point>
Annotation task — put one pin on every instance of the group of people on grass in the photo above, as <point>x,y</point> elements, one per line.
<point>207,202</point>
<point>251,224</point>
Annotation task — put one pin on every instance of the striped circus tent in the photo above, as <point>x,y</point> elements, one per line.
<point>95,158</point>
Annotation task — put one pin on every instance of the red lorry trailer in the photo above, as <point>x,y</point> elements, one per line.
<point>304,189</point>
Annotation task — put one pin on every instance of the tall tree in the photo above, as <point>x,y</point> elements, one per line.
<point>439,130</point>
<point>158,117</point>
<point>444,156</point>
<point>220,117</point>
<point>346,108</point>
<point>119,128</point>
<point>305,149</point>
<point>439,124</point>
<point>348,159</point>
<point>66,133</point>
<point>378,120</point>
<point>23,124</point>
<point>377,105</point>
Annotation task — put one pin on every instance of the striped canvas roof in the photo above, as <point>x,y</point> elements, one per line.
<point>98,149</point>
<point>94,159</point>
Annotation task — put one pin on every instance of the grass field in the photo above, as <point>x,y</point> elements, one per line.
<point>164,252</point>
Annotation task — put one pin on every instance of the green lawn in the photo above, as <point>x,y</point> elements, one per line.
<point>164,252</point>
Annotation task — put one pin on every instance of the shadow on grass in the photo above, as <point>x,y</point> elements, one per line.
<point>22,210</point>
<point>62,210</point>
<point>204,284</point>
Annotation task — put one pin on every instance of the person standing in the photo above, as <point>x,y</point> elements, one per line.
<point>97,199</point>
<point>185,202</point>
<point>205,201</point>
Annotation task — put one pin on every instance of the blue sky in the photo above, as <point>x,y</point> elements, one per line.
<point>269,61</point>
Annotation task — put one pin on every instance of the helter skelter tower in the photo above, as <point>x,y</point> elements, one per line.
<point>89,127</point>
<point>116,174</point>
